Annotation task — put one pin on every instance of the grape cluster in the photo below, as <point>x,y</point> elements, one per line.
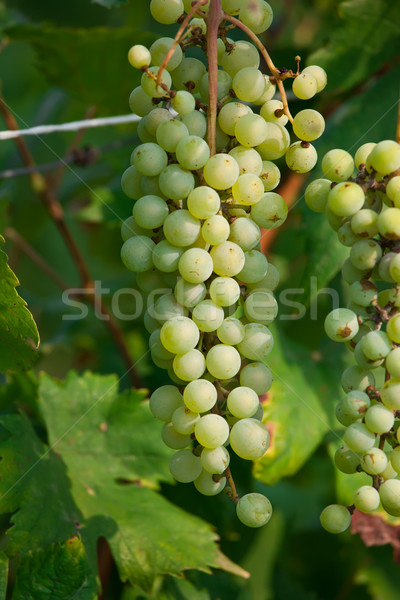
<point>361,198</point>
<point>195,230</point>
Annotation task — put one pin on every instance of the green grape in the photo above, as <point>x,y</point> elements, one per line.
<point>211,431</point>
<point>198,23</point>
<point>394,268</point>
<point>190,71</point>
<point>379,419</point>
<point>169,133</point>
<point>390,394</point>
<point>337,165</point>
<point>149,84</point>
<point>395,459</point>
<point>356,403</point>
<point>256,376</point>
<point>249,439</point>
<point>159,50</point>
<point>374,461</point>
<point>358,437</point>
<point>346,460</point>
<point>228,259</point>
<point>184,420</point>
<point>363,361</point>
<point>308,125</point>
<point>257,342</point>
<point>166,257</point>
<point>143,134</point>
<point>251,130</point>
<point>270,282</point>
<point>161,363</point>
<point>365,254</point>
<point>385,157</point>
<point>243,402</point>
<point>200,395</point>
<point>207,315</point>
<point>164,401</point>
<point>224,291</point>
<point>341,325</point>
<point>389,223</point>
<point>150,187</point>
<point>393,363</point>
<point>319,75</point>
<point>365,223</point>
<point>166,11</point>
<point>224,81</point>
<point>139,102</point>
<point>393,328</point>
<point>346,198</point>
<point>242,55</point>
<point>335,518</point>
<point>149,322</point>
<point>221,171</point>
<point>215,460</point>
<point>376,345</point>
<point>130,183</point>
<point>360,157</point>
<point>130,228</point>
<point>389,472</point>
<point>195,122</point>
<point>149,159</point>
<point>356,378</point>
<point>176,183</point>
<point>268,93</point>
<point>334,221</point>
<point>166,307</point>
<point>272,110</point>
<point>304,86</point>
<point>230,114</point>
<point>189,294</point>
<point>301,157</point>
<point>316,195</point>
<point>183,102</point>
<point>173,439</point>
<point>203,202</point>
<point>248,159</point>
<point>276,142</point>
<point>270,175</point>
<point>185,467</point>
<point>256,14</point>
<point>363,292</point>
<point>255,267</point>
<point>346,235</point>
<point>157,348</point>
<point>343,417</point>
<point>195,265</point>
<point>192,152</point>
<point>136,253</point>
<point>147,281</point>
<point>248,189</point>
<point>254,510</point>
<point>393,187</point>
<point>215,230</point>
<point>139,56</point>
<point>179,335</point>
<point>260,307</point>
<point>245,233</point>
<point>389,492</point>
<point>366,498</point>
<point>232,7</point>
<point>181,228</point>
<point>231,331</point>
<point>206,485</point>
<point>223,362</point>
<point>248,84</point>
<point>189,366</point>
<point>270,212</point>
<point>150,212</point>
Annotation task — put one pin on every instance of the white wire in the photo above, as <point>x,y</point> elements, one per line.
<point>72,126</point>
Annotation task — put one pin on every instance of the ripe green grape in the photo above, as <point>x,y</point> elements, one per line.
<point>149,84</point>
<point>248,189</point>
<point>389,492</point>
<point>356,378</point>
<point>228,259</point>
<point>257,15</point>
<point>365,254</point>
<point>243,402</point>
<point>230,114</point>
<point>365,223</point>
<point>301,157</point>
<point>245,233</point>
<point>184,420</point>
<point>385,157</point>
<point>376,345</point>
<point>270,175</point>
<point>255,267</point>
<point>166,307</point>
<point>249,439</point>
<point>200,395</point>
<point>150,212</point>
<point>159,49</point>
<point>185,466</point>
<point>166,257</point>
<point>248,159</point>
<point>256,376</point>
<point>272,110</point>
<point>231,331</point>
<point>189,294</point>
<point>374,461</point>
<point>169,133</point>
<point>270,212</point>
<point>379,419</point>
<point>183,102</point>
<point>139,56</point>
<point>173,439</point>
<point>136,253</point>
<point>211,431</point>
<point>251,130</point>
<point>393,363</point>
<point>242,54</point>
<point>223,362</point>
<point>248,84</point>
<point>389,223</point>
<point>164,401</point>
<point>319,75</point>
<point>260,307</point>
<point>337,165</point>
<point>203,202</point>
<point>335,518</point>
<point>316,195</point>
<point>366,498</point>
<point>149,159</point>
<point>206,484</point>
<point>176,183</point>
<point>195,122</point>
<point>207,315</point>
<point>195,265</point>
<point>304,86</point>
<point>224,291</point>
<point>139,102</point>
<point>254,510</point>
<point>341,325</point>
<point>181,228</point>
<point>358,437</point>
<point>189,70</point>
<point>179,335</point>
<point>346,199</point>
<point>390,394</point>
<point>221,171</point>
<point>276,142</point>
<point>360,157</point>
<point>189,366</point>
<point>215,460</point>
<point>346,460</point>
<point>192,152</point>
<point>308,125</point>
<point>215,230</point>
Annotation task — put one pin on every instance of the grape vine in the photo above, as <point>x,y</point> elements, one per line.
<point>202,181</point>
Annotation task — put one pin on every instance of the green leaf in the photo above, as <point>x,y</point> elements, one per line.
<point>57,572</point>
<point>19,336</point>
<point>3,575</point>
<point>367,37</point>
<point>105,455</point>
<point>297,410</point>
<point>77,59</point>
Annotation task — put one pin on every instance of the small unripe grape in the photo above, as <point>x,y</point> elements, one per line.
<point>366,498</point>
<point>335,518</point>
<point>254,510</point>
<point>304,86</point>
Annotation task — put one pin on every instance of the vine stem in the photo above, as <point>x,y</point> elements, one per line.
<point>235,495</point>
<point>178,37</point>
<point>215,16</point>
<point>274,71</point>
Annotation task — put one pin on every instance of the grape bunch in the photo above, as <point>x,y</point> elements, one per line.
<point>202,180</point>
<point>361,198</point>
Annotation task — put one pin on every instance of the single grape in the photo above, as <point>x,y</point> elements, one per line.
<point>231,331</point>
<point>136,253</point>
<point>243,402</point>
<point>393,363</point>
<point>341,325</point>
<point>166,307</point>
<point>139,56</point>
<point>270,212</point>
<point>304,86</point>
<point>319,75</point>
<point>245,233</point>
<point>272,110</point>
<point>195,265</point>
<point>248,84</point>
<point>256,376</point>
<point>184,420</point>
<point>316,195</point>
<point>276,142</point>
<point>389,223</point>
<point>173,439</point>
<point>228,259</point>
<point>185,466</point>
<point>139,102</point>
<point>390,394</point>
<point>189,366</point>
<point>257,15</point>
<point>365,254</point>
<point>346,235</point>
<point>337,165</point>
<point>260,307</point>
<point>268,93</point>
<point>207,315</point>
<point>308,125</point>
<point>200,395</point>
<point>192,152</point>
<point>360,157</point>
<point>346,460</point>
<point>195,122</point>
<point>242,54</point>
<point>366,498</point>
<point>203,202</point>
<point>159,50</point>
<point>251,130</point>
<point>215,460</point>
<point>179,335</point>
<point>249,439</point>
<point>389,492</point>
<point>206,484</point>
<point>224,291</point>
<point>221,171</point>
<point>393,188</point>
<point>215,230</point>
<point>248,189</point>
<point>254,510</point>
<point>301,157</point>
<point>379,419</point>
<point>230,114</point>
<point>190,71</point>
<point>223,362</point>
<point>385,157</point>
<point>189,294</point>
<point>211,431</point>
<point>270,175</point>
<point>356,378</point>
<point>376,344</point>
<point>374,461</point>
<point>358,437</point>
<point>335,518</point>
<point>346,199</point>
<point>181,228</point>
<point>149,84</point>
<point>365,223</point>
<point>164,401</point>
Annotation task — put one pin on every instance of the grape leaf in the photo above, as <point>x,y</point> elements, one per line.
<point>98,476</point>
<point>19,336</point>
<point>297,409</point>
<point>3,575</point>
<point>76,60</point>
<point>57,572</point>
<point>366,38</point>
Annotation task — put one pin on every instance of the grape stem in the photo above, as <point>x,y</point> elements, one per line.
<point>276,73</point>
<point>215,16</point>
<point>178,37</point>
<point>235,495</point>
